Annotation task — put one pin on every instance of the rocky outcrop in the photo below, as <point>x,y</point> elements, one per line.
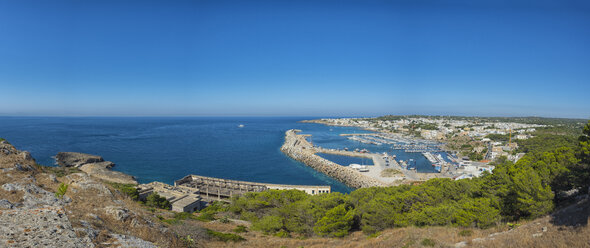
<point>32,215</point>
<point>102,171</point>
<point>298,148</point>
<point>76,159</point>
<point>39,227</point>
<point>118,213</point>
<point>94,166</point>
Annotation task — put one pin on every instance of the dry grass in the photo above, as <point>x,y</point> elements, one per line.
<point>87,204</point>
<point>390,172</point>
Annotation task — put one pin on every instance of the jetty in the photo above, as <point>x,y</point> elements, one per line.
<point>297,147</point>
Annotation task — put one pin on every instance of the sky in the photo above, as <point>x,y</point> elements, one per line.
<point>295,58</point>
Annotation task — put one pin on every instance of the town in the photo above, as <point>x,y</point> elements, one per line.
<point>473,142</point>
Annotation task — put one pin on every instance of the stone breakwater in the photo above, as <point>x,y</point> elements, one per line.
<point>298,148</point>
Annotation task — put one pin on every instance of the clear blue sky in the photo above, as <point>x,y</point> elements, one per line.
<point>305,58</point>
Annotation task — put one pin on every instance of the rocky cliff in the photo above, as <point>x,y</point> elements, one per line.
<point>89,214</point>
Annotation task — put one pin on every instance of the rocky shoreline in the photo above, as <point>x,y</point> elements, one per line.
<point>297,147</point>
<point>86,214</point>
<point>94,166</point>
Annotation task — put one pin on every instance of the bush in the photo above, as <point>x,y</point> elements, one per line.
<point>127,189</point>
<point>61,190</point>
<point>184,216</point>
<point>224,219</point>
<point>155,200</point>
<point>205,217</point>
<point>172,221</point>
<point>282,234</point>
<point>225,237</point>
<point>268,224</point>
<point>465,233</point>
<point>427,242</point>
<point>240,229</point>
<point>215,207</point>
<point>336,223</point>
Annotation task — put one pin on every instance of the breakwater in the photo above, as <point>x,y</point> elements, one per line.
<point>298,148</point>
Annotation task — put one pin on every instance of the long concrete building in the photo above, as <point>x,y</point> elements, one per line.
<point>223,189</point>
<point>194,192</point>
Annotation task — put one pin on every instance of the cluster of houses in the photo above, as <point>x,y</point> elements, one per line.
<point>440,128</point>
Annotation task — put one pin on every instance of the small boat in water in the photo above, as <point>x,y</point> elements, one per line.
<point>241,125</point>
<point>358,167</point>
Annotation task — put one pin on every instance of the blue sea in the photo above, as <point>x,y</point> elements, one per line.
<point>168,148</point>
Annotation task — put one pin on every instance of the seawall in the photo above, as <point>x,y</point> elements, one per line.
<point>298,148</point>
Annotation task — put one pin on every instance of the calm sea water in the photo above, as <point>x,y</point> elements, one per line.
<point>166,149</point>
<point>346,160</point>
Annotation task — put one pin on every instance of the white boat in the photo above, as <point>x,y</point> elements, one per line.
<point>358,167</point>
<point>241,125</point>
<point>355,166</point>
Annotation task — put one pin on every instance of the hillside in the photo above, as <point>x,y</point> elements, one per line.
<point>89,214</point>
<point>92,213</point>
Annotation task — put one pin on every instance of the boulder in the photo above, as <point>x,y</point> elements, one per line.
<point>130,241</point>
<point>6,204</point>
<point>118,213</point>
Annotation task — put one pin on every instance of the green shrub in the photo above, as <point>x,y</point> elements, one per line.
<point>249,216</point>
<point>205,217</point>
<point>61,190</point>
<point>155,200</point>
<point>336,223</point>
<point>282,234</point>
<point>188,240</point>
<point>215,207</point>
<point>172,221</point>
<point>224,219</point>
<point>184,216</point>
<point>268,224</point>
<point>225,237</point>
<point>127,189</point>
<point>240,229</point>
<point>465,233</point>
<point>427,242</point>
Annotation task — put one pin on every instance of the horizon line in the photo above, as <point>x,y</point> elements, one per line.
<point>286,116</point>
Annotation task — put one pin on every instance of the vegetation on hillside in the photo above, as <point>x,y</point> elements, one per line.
<point>514,191</point>
<point>127,189</point>
<point>157,201</point>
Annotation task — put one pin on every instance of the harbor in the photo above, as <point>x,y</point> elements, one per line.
<point>385,169</point>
